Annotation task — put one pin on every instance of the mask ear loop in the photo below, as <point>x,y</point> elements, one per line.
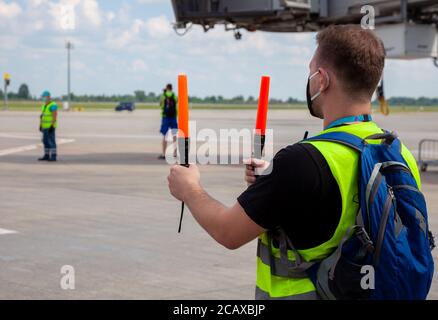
<point>310,78</point>
<point>316,95</point>
<point>313,75</point>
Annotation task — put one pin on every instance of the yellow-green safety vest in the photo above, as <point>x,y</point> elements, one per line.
<point>47,116</point>
<point>276,277</point>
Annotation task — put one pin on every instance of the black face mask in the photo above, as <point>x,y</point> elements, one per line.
<point>309,100</point>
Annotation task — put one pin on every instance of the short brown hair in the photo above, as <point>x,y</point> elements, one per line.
<point>355,55</point>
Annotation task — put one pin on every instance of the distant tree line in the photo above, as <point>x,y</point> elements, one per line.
<point>405,101</point>
<point>152,97</point>
<point>141,96</point>
<point>22,94</point>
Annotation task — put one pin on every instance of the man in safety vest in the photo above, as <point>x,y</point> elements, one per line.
<point>48,125</point>
<point>168,104</point>
<point>312,190</point>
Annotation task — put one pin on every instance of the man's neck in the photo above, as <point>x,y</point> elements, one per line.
<point>353,109</point>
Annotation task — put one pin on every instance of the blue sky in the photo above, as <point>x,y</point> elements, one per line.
<point>122,46</point>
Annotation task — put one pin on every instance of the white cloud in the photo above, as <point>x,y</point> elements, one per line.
<point>262,43</point>
<point>151,1</point>
<point>9,10</point>
<point>110,16</point>
<point>36,3</point>
<point>78,65</point>
<point>39,25</point>
<point>59,12</point>
<point>120,40</point>
<point>91,11</point>
<point>219,43</point>
<point>139,65</point>
<point>158,27</point>
<point>85,13</point>
<point>8,42</point>
<point>123,14</point>
<point>303,37</point>
<point>137,26</point>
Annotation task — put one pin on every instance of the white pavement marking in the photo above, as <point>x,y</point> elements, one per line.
<point>85,135</point>
<point>19,136</point>
<point>30,147</point>
<point>117,136</point>
<point>64,141</point>
<point>6,231</point>
<point>18,149</point>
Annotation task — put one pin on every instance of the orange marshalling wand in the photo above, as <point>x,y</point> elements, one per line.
<point>262,112</point>
<point>183,107</point>
<point>183,129</point>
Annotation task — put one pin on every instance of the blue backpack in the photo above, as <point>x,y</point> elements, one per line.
<point>387,253</point>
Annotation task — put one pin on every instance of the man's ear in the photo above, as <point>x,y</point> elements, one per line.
<point>324,80</point>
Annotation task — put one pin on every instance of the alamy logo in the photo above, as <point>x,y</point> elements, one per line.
<point>67,17</point>
<point>368,20</point>
<point>68,277</point>
<point>367,282</point>
<point>229,147</point>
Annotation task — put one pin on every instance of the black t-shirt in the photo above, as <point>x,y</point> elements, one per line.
<point>300,195</point>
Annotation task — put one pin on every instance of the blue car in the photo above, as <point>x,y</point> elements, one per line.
<point>129,106</point>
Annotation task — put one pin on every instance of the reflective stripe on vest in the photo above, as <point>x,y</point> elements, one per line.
<point>274,279</point>
<point>262,295</point>
<point>47,116</point>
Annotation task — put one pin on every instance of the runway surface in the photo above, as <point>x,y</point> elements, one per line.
<point>104,207</point>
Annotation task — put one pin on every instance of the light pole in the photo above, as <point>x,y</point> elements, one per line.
<point>7,81</point>
<point>69,46</point>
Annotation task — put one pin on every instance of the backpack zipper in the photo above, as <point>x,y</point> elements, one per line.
<point>389,204</point>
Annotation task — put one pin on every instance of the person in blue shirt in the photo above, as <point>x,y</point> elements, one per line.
<point>48,125</point>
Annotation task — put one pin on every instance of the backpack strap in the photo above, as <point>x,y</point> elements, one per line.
<point>347,139</point>
<point>387,137</point>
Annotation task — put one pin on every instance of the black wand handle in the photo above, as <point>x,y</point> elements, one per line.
<point>183,146</point>
<point>181,216</point>
<point>259,144</point>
